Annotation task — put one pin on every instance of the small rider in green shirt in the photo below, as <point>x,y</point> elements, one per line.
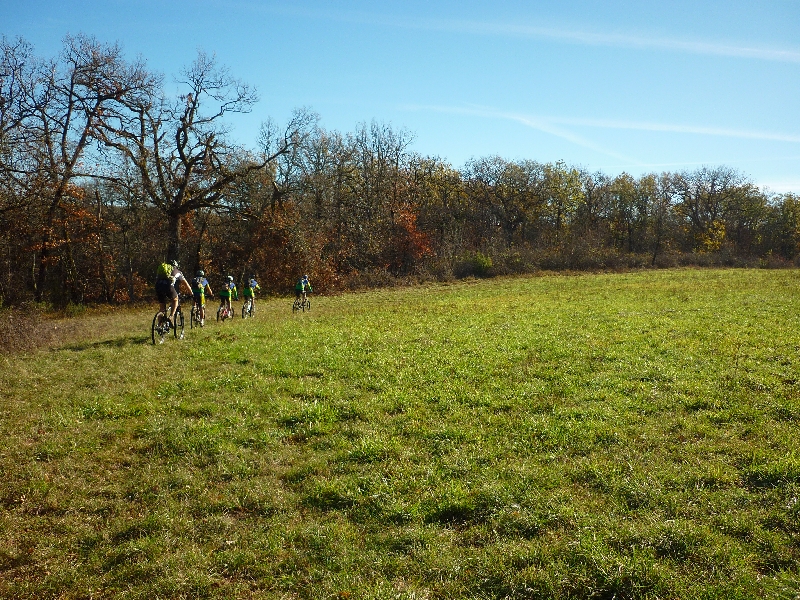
<point>302,287</point>
<point>249,291</point>
<point>227,292</point>
<point>199,286</point>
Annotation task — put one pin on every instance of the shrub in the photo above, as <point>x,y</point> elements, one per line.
<point>475,264</point>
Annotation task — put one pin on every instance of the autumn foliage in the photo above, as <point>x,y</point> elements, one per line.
<point>103,176</point>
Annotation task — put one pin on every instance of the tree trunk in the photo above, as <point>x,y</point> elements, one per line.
<point>174,237</point>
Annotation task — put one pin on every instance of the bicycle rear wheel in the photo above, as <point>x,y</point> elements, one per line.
<point>194,317</point>
<point>245,311</point>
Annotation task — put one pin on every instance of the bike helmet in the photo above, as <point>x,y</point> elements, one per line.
<point>174,263</point>
<point>230,277</point>
<point>201,273</point>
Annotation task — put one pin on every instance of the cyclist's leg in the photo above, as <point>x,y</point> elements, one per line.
<point>174,295</point>
<point>163,294</point>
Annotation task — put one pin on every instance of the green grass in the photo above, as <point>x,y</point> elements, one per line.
<point>594,436</point>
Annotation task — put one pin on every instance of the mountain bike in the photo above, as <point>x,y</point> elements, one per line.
<point>248,308</point>
<point>162,325</point>
<point>195,319</point>
<point>223,312</point>
<point>302,303</point>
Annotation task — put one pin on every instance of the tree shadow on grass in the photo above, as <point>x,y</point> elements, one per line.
<point>120,342</point>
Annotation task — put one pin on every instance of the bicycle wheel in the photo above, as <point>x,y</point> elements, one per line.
<point>194,318</point>
<point>219,313</point>
<point>307,305</point>
<point>158,331</point>
<point>178,329</point>
<point>244,310</point>
<point>296,306</point>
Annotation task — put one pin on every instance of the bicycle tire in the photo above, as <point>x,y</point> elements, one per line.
<point>178,328</point>
<point>193,317</point>
<point>296,306</point>
<point>244,311</point>
<point>307,305</point>
<point>157,331</point>
<point>219,314</point>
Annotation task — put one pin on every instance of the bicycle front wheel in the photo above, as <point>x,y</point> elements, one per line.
<point>158,331</point>
<point>179,333</point>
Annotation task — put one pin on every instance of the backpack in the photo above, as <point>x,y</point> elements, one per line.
<point>165,271</point>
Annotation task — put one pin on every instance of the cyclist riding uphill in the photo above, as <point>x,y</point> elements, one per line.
<point>249,291</point>
<point>168,275</point>
<point>302,287</point>
<point>199,286</point>
<point>227,292</point>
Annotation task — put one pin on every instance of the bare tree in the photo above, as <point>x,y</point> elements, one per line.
<point>706,197</point>
<point>48,118</point>
<point>180,146</point>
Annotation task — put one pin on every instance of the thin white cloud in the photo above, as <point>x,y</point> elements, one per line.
<point>621,40</point>
<point>566,35</point>
<point>677,128</point>
<point>540,124</point>
<point>550,125</point>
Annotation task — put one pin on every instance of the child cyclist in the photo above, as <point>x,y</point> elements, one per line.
<point>227,292</point>
<point>302,288</point>
<point>249,291</point>
<point>199,286</point>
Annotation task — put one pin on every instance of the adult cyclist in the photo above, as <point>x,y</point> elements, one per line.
<point>168,276</point>
<point>199,286</point>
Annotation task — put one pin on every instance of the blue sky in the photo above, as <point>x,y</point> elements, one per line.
<point>610,86</point>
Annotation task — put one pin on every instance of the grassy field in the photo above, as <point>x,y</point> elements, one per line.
<point>592,436</point>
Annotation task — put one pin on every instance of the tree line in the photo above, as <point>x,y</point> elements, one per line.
<point>104,173</point>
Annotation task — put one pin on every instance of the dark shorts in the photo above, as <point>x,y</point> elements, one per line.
<point>165,290</point>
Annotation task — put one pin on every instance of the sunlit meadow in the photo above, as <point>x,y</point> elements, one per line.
<point>604,436</point>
